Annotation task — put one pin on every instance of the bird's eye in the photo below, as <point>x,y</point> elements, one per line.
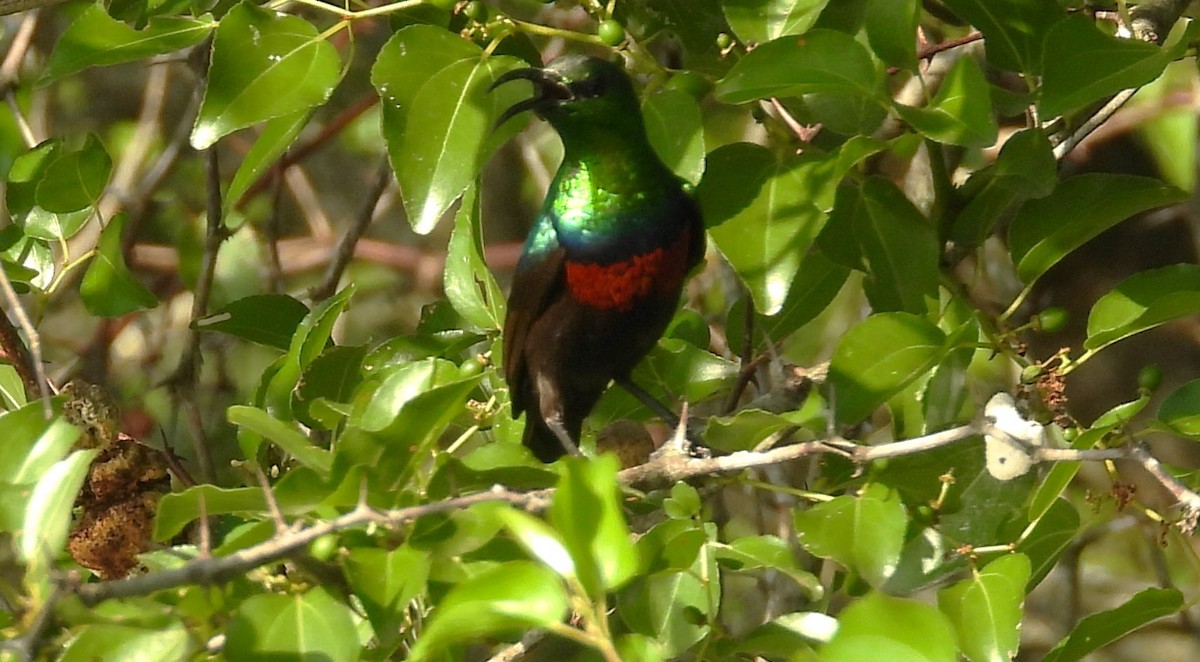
<point>591,87</point>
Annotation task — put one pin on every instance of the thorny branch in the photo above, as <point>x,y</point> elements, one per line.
<point>670,465</point>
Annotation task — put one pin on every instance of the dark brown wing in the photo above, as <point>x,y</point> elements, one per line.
<point>533,289</point>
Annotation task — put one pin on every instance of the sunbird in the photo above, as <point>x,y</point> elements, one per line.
<point>604,265</point>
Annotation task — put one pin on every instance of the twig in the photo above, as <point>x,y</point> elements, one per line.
<point>210,570</point>
<point>16,6</point>
<point>12,65</point>
<point>304,254</point>
<point>26,646</point>
<point>747,365</point>
<point>664,469</point>
<point>35,345</point>
<point>1100,117</point>
<point>18,355</point>
<point>346,247</point>
<point>931,50</point>
<point>298,154</point>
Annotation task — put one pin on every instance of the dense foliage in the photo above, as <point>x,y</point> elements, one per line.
<point>305,464</point>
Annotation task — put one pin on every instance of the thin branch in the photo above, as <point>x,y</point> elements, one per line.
<point>211,570</point>
<point>346,247</point>
<point>43,389</point>
<point>18,355</point>
<point>664,469</point>
<point>301,152</point>
<point>931,50</point>
<point>1094,122</point>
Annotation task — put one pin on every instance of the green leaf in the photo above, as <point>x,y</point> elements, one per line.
<point>1180,411</point>
<point>1014,33</point>
<point>1049,538</point>
<point>512,596</point>
<point>587,514</point>
<point>540,541</point>
<point>76,179</point>
<point>307,626</point>
<point>669,607</point>
<point>986,608</point>
<point>307,343</point>
<point>331,378</point>
<point>880,627</point>
<point>818,61</point>
<point>891,241</point>
<point>95,39</point>
<point>864,533</point>
<point>108,288</point>
<point>1082,65</point>
<point>1025,169</point>
<point>386,581</point>
<point>438,123</point>
<point>176,509</point>
<point>676,132</point>
<point>276,137</point>
<point>745,429</point>
<point>878,357</point>
<point>767,552</point>
<point>48,513</point>
<point>416,400</point>
<point>267,319</point>
<point>469,285</point>
<point>816,284</point>
<point>1046,230</point>
<point>264,66</point>
<point>891,27</point>
<point>118,643</point>
<point>758,21</point>
<point>50,446</point>
<point>788,636</point>
<point>1100,629</point>
<point>684,502</point>
<point>1143,301</point>
<point>287,437</point>
<point>765,213</point>
<point>49,226</point>
<point>961,112</point>
<point>26,173</point>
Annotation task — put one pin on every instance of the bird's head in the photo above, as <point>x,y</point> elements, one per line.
<point>576,89</point>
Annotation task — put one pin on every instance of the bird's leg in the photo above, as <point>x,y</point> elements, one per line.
<point>556,426</point>
<point>650,401</point>
<point>550,406</point>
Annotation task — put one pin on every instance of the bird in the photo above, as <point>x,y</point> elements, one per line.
<point>603,268</point>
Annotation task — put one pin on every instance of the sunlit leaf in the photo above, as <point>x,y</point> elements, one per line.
<point>109,289</point>
<point>264,65</point>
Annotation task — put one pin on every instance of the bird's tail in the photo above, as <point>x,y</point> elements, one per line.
<point>540,439</point>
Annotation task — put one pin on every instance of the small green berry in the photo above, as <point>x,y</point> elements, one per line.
<point>475,10</point>
<point>1051,320</point>
<point>690,82</point>
<point>1150,377</point>
<point>323,548</point>
<point>470,368</point>
<point>611,32</point>
<point>1070,434</point>
<point>724,41</point>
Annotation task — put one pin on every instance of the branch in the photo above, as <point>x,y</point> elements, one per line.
<point>664,469</point>
<point>210,570</point>
<point>345,249</point>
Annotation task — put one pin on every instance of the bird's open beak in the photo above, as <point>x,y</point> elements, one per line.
<point>549,91</point>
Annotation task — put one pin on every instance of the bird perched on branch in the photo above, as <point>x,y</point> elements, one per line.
<point>604,265</point>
